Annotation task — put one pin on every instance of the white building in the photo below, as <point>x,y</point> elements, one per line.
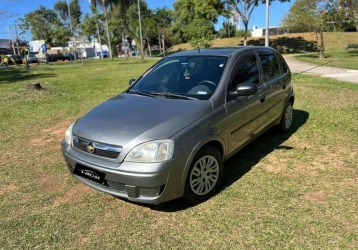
<point>261,32</point>
<point>5,47</point>
<point>235,19</point>
<point>89,48</point>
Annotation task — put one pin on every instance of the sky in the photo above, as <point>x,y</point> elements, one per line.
<point>18,10</point>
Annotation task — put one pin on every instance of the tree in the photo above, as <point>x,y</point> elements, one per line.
<point>133,21</point>
<point>195,20</point>
<point>45,24</point>
<point>119,20</point>
<point>149,30</point>
<point>228,30</point>
<point>245,8</point>
<point>308,15</point>
<point>350,10</point>
<point>105,4</point>
<point>70,14</point>
<point>164,20</point>
<point>96,18</point>
<point>4,9</point>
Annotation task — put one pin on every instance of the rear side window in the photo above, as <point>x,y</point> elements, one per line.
<point>270,66</point>
<point>248,71</point>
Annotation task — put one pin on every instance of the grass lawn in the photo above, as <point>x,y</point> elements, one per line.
<point>291,191</point>
<point>341,59</point>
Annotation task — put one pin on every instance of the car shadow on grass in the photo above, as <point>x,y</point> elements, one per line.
<point>15,74</point>
<point>242,162</point>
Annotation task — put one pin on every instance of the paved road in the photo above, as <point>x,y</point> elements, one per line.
<point>296,66</point>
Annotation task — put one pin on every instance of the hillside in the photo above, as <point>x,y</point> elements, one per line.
<point>290,43</point>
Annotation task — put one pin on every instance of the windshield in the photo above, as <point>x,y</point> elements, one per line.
<point>191,76</point>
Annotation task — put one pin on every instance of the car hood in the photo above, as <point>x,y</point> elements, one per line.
<point>129,119</point>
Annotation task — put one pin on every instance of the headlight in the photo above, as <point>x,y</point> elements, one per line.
<point>68,135</point>
<point>153,151</point>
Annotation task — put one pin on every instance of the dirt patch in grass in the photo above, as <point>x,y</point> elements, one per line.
<point>73,196</point>
<point>52,159</point>
<point>316,198</point>
<point>52,134</point>
<point>84,240</point>
<point>6,159</point>
<point>340,165</point>
<point>275,165</point>
<point>8,189</point>
<point>49,184</point>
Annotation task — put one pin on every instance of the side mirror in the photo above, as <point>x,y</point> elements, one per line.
<point>131,81</point>
<point>244,89</point>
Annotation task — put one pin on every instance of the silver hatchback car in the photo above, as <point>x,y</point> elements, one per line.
<point>169,133</point>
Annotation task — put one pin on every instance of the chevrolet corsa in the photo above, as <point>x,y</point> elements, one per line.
<point>170,132</point>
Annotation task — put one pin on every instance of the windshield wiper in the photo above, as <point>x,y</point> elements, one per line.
<point>170,95</point>
<point>140,92</point>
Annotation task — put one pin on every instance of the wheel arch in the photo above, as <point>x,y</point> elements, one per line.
<point>211,141</point>
<point>291,98</point>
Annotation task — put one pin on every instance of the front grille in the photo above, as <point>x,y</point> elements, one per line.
<point>100,149</point>
<point>107,185</point>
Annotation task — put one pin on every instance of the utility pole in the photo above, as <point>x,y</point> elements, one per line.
<point>70,19</point>
<point>12,40</point>
<point>104,7</point>
<point>160,42</point>
<point>17,40</point>
<point>267,23</point>
<point>163,40</point>
<point>140,32</point>
<point>228,28</point>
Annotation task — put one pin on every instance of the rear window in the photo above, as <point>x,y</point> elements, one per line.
<point>270,66</point>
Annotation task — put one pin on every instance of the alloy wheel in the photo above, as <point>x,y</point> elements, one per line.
<point>204,175</point>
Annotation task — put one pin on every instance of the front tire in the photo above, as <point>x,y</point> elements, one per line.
<point>287,117</point>
<point>204,175</point>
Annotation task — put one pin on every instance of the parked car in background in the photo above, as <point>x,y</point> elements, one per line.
<point>15,59</point>
<point>169,133</point>
<point>31,58</point>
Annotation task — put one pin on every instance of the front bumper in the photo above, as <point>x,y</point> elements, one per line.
<point>149,183</point>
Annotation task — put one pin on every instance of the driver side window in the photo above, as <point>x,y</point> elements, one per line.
<point>247,71</point>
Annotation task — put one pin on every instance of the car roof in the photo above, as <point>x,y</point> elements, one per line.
<point>219,51</point>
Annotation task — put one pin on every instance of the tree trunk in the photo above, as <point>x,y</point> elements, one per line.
<point>163,42</point>
<point>99,40</point>
<point>150,52</point>
<point>34,86</point>
<point>107,27</point>
<point>320,42</point>
<point>245,34</point>
<point>160,43</point>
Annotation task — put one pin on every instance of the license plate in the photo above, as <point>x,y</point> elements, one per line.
<point>89,173</point>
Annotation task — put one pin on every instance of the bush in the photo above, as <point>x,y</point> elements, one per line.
<point>241,33</point>
<point>204,42</point>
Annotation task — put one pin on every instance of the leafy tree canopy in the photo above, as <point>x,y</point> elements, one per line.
<point>45,24</point>
<point>4,7</point>
<point>308,15</point>
<point>245,8</point>
<point>63,9</point>
<point>350,10</point>
<point>195,19</point>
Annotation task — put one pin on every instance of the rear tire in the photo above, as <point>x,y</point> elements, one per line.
<point>287,117</point>
<point>204,175</point>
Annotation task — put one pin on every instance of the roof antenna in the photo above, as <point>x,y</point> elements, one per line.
<point>198,49</point>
